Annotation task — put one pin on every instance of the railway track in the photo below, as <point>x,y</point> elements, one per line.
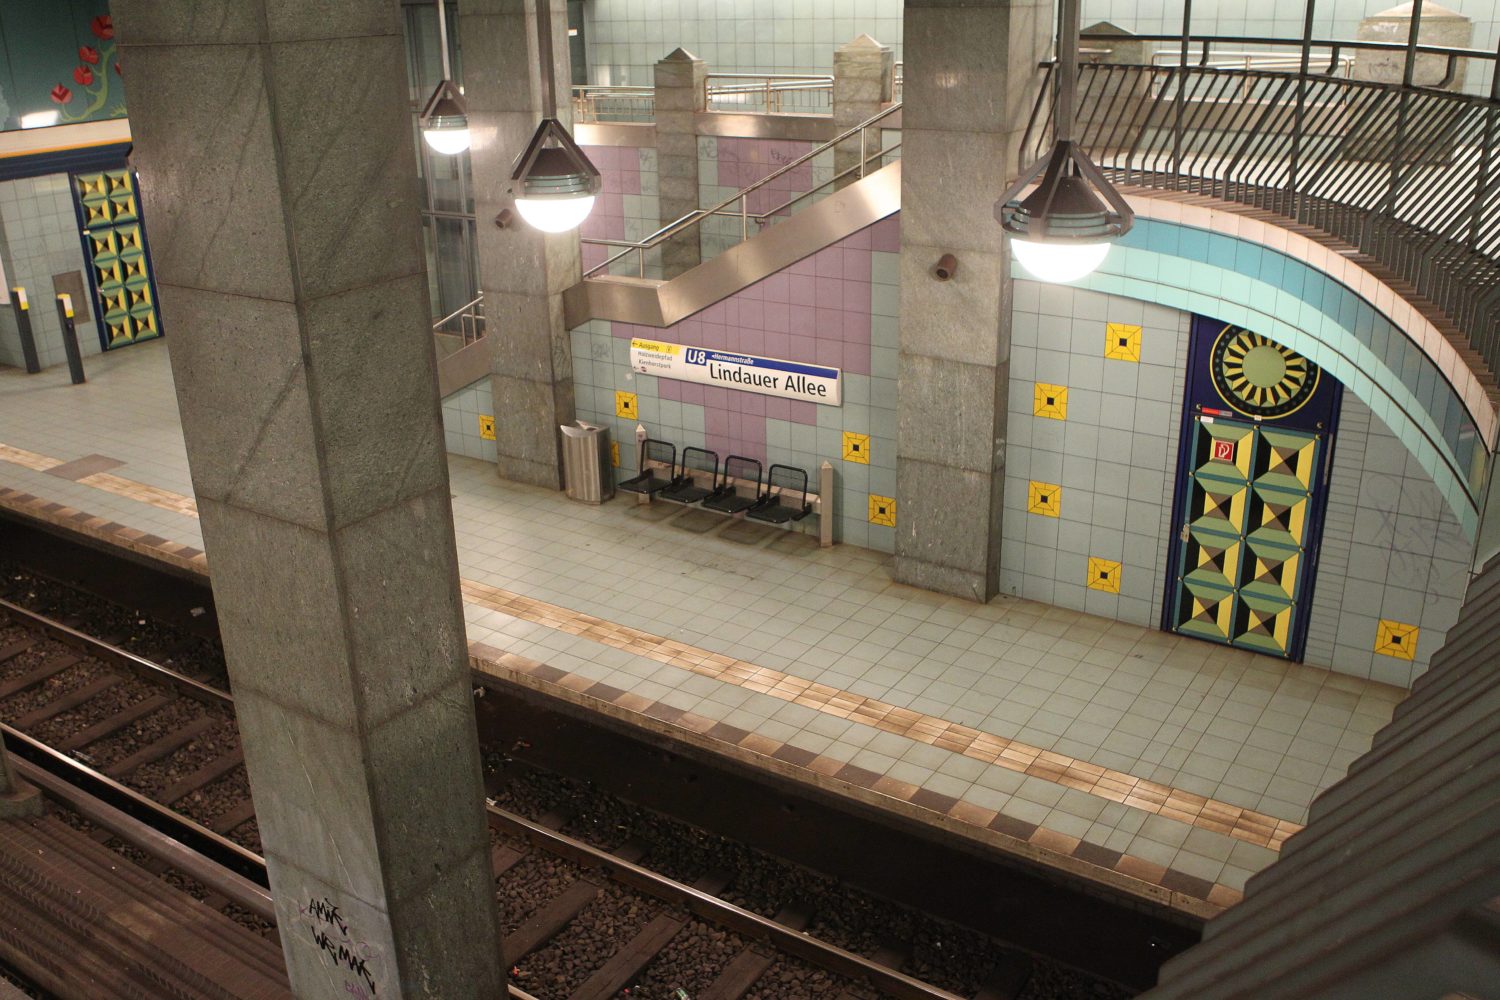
<point>153,756</point>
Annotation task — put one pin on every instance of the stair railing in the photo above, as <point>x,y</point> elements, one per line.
<point>738,204</point>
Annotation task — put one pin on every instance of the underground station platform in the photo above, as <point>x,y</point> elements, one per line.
<point>1151,767</point>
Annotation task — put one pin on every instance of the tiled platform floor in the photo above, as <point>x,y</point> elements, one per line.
<point>1170,767</point>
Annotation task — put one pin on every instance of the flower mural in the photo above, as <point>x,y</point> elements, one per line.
<point>93,77</point>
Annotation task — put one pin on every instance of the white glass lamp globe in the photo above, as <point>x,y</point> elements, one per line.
<point>1058,262</point>
<point>447,139</point>
<point>555,213</point>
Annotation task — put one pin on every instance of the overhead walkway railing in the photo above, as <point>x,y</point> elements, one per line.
<point>1408,174</point>
<point>874,153</point>
<point>740,93</point>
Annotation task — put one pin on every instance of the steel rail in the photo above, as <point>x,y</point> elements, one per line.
<point>240,875</point>
<point>101,650</point>
<point>728,915</point>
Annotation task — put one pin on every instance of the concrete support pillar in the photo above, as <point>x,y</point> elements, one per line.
<point>863,74</point>
<point>679,98</point>
<point>289,260</point>
<point>17,799</point>
<point>970,78</point>
<point>522,271</point>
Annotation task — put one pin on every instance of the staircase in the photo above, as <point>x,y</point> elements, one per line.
<point>852,199</point>
<point>1393,887</point>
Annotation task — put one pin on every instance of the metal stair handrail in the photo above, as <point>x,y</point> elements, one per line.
<point>696,216</point>
<point>470,318</point>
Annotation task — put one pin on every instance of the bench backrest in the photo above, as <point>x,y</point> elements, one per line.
<point>791,482</point>
<point>701,460</point>
<point>747,470</point>
<point>665,452</point>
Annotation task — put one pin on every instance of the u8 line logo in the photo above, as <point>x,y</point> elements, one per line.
<point>696,356</point>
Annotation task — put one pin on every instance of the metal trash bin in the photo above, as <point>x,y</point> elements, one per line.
<point>588,469</point>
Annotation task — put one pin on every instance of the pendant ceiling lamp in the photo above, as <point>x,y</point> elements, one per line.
<point>1062,230</point>
<point>553,181</point>
<point>444,119</point>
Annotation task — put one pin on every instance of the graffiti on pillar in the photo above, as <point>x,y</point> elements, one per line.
<point>331,933</point>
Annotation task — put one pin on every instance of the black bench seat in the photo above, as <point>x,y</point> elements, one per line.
<point>687,489</point>
<point>785,498</point>
<point>727,499</point>
<point>649,482</point>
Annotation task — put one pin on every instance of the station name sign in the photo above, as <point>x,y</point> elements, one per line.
<point>768,376</point>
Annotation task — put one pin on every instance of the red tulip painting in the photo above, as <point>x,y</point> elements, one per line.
<point>94,83</point>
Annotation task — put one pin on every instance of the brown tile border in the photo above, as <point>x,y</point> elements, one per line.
<point>1116,786</point>
<point>175,554</point>
<point>1176,890</point>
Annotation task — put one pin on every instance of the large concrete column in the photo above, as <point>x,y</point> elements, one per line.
<point>863,74</point>
<point>17,799</point>
<point>970,75</point>
<point>522,271</point>
<point>289,260</point>
<point>680,78</point>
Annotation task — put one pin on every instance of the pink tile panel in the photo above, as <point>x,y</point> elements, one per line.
<point>816,311</point>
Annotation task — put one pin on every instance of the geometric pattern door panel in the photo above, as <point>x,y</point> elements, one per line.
<point>1245,533</point>
<point>120,266</point>
<point>1258,421</point>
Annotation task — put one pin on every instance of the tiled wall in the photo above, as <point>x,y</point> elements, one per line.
<point>626,37</point>
<point>465,414</point>
<point>627,207</point>
<point>1393,555</point>
<point>727,165</point>
<point>1105,450</point>
<point>1392,551</point>
<point>837,307</point>
<point>41,239</point>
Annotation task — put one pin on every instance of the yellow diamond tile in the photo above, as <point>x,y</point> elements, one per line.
<point>1044,499</point>
<point>882,510</point>
<point>1396,639</point>
<point>1122,341</point>
<point>614,454</point>
<point>625,405</point>
<point>1050,401</point>
<point>487,427</point>
<point>857,448</point>
<point>1104,574</point>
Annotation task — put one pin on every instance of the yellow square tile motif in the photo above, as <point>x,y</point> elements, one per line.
<point>1396,639</point>
<point>882,510</point>
<point>1104,574</point>
<point>857,448</point>
<point>1122,341</point>
<point>487,427</point>
<point>1044,499</point>
<point>626,406</point>
<point>614,454</point>
<point>1050,401</point>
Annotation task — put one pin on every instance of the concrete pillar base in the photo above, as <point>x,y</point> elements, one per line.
<point>22,802</point>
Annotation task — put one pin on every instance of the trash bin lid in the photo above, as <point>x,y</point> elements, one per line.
<point>581,428</point>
